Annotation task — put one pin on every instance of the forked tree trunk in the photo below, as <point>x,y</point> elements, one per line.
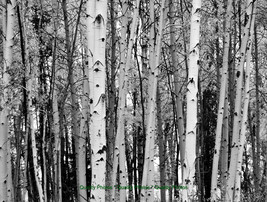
<point>31,122</point>
<point>74,101</point>
<point>222,100</point>
<point>177,87</point>
<point>239,76</point>
<point>192,97</point>
<point>96,41</point>
<point>119,152</point>
<point>148,172</point>
<point>244,123</point>
<point>31,74</point>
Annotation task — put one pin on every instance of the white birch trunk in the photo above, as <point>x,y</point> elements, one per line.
<point>55,108</point>
<point>10,193</point>
<point>44,159</point>
<point>236,125</point>
<point>74,100</point>
<point>34,154</point>
<point>3,154</point>
<point>148,172</point>
<point>119,153</point>
<point>177,87</point>
<point>191,118</point>
<point>32,116</point>
<point>5,175</point>
<point>120,136</point>
<point>151,108</point>
<point>121,112</point>
<point>96,40</point>
<point>222,100</point>
<point>244,123</point>
<point>10,189</point>
<point>57,149</point>
<point>82,138</point>
<point>225,148</point>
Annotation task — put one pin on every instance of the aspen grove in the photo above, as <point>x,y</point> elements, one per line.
<point>130,100</point>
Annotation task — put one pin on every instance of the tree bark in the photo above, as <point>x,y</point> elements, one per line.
<point>96,41</point>
<point>6,188</point>
<point>177,87</point>
<point>162,155</point>
<point>258,152</point>
<point>83,136</point>
<point>239,76</point>
<point>119,153</point>
<point>55,108</point>
<point>148,172</point>
<point>111,98</point>
<point>31,74</point>
<point>74,100</point>
<point>222,100</point>
<point>192,97</point>
<point>244,123</point>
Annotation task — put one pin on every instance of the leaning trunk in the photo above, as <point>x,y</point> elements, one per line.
<point>244,123</point>
<point>222,100</point>
<point>239,76</point>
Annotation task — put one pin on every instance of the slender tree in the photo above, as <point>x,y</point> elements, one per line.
<point>236,127</point>
<point>8,17</point>
<point>192,91</point>
<point>257,136</point>
<point>244,124</point>
<point>148,172</point>
<point>57,149</point>
<point>222,100</point>
<point>177,87</point>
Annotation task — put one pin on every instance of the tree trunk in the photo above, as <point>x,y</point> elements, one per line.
<point>244,124</point>
<point>222,100</point>
<point>177,87</point>
<point>257,159</point>
<point>224,148</point>
<point>74,100</point>
<point>6,188</point>
<point>96,40</point>
<point>57,149</point>
<point>31,74</point>
<point>111,99</point>
<point>148,172</point>
<point>44,160</point>
<point>119,153</point>
<point>239,75</point>
<point>83,136</point>
<point>192,97</point>
<point>162,155</point>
